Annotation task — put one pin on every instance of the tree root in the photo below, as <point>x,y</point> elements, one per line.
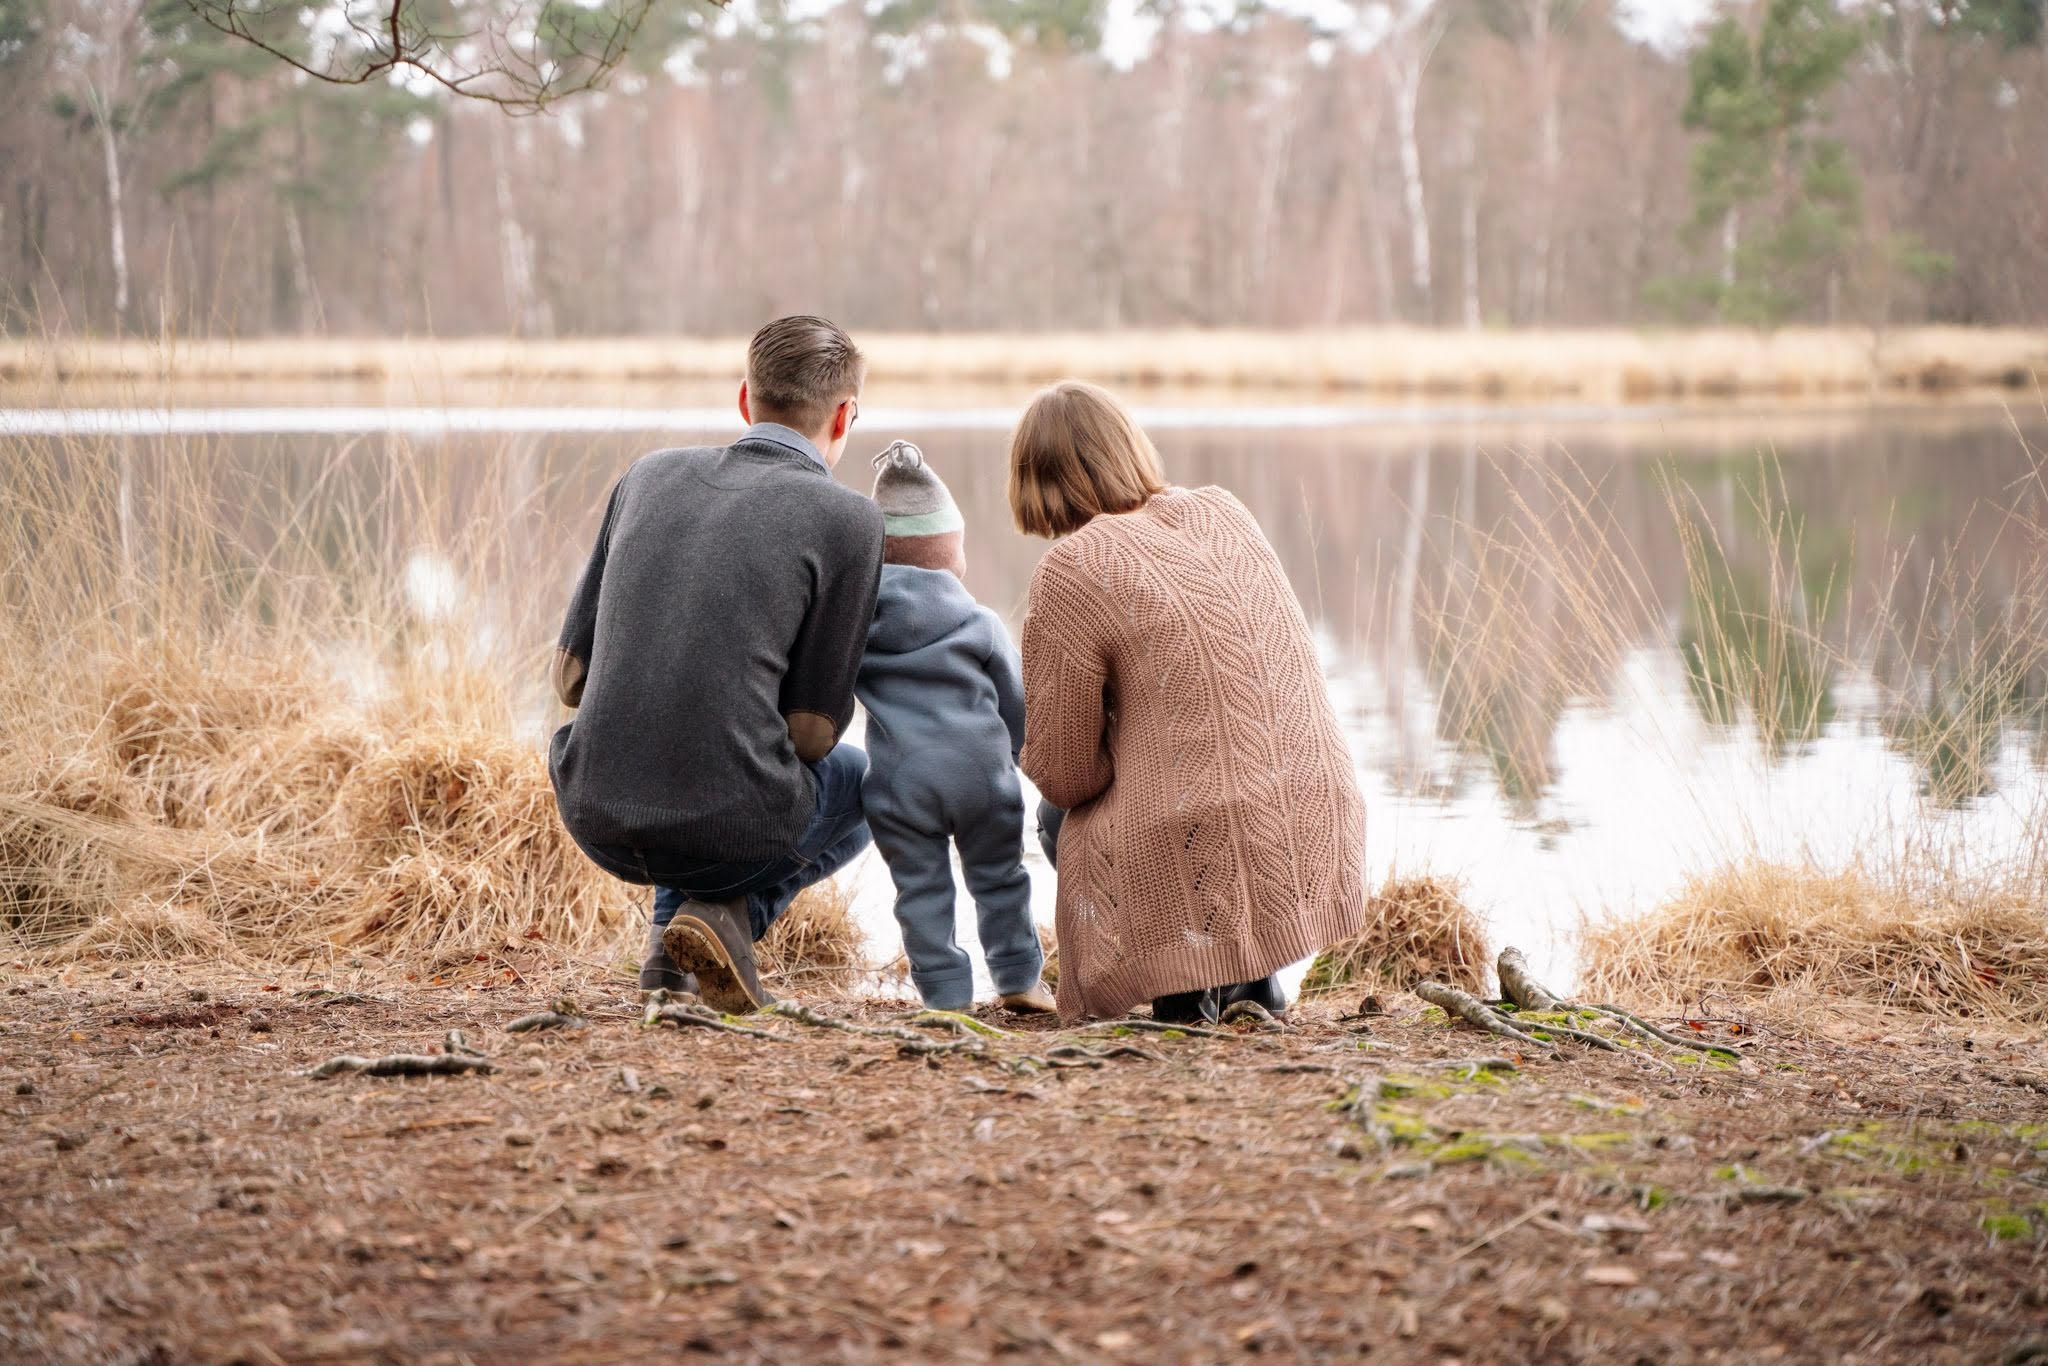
<point>1260,1017</point>
<point>1648,1030</point>
<point>1526,993</point>
<point>1521,987</point>
<point>958,1023</point>
<point>1139,1024</point>
<point>704,1017</point>
<point>1361,1108</point>
<point>804,1015</point>
<point>1476,1065</point>
<point>1585,1036</point>
<point>1475,1012</point>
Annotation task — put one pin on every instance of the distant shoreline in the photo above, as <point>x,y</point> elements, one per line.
<point>1612,367</point>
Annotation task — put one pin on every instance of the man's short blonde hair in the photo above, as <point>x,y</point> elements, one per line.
<point>1077,454</point>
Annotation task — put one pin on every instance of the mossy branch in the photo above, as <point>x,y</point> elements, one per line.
<point>1476,1013</point>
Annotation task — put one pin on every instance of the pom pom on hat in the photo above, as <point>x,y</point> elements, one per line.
<point>921,521</point>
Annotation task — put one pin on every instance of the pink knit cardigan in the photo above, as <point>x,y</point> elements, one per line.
<point>1175,707</point>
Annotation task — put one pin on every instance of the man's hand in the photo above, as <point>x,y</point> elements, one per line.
<point>568,675</point>
<point>812,735</point>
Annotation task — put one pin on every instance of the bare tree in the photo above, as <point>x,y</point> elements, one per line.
<point>1406,43</point>
<point>520,54</point>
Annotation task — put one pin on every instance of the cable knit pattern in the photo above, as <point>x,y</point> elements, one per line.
<point>1175,707</point>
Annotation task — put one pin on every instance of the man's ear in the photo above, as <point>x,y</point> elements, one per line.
<point>842,419</point>
<point>746,409</point>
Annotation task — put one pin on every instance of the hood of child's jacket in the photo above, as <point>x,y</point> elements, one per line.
<point>916,607</point>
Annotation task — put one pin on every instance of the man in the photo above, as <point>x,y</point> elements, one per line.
<point>710,651</point>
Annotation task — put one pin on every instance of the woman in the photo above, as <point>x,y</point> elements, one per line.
<point>1203,811</point>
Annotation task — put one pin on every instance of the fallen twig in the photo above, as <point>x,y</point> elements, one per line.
<point>1118,1050</point>
<point>1534,1212</point>
<point>545,1019</point>
<point>328,996</point>
<point>405,1065</point>
<point>420,1126</point>
<point>916,1046</point>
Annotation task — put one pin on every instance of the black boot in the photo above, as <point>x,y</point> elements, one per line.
<point>1266,992</point>
<point>1186,1007</point>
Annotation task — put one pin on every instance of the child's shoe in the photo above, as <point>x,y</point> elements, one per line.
<point>1035,1000</point>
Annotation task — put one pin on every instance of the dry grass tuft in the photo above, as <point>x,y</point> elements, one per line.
<point>816,942</point>
<point>1415,928</point>
<point>463,849</point>
<point>170,713</point>
<point>289,780</point>
<point>476,792</point>
<point>155,931</point>
<point>58,867</point>
<point>1804,937</point>
<point>185,704</point>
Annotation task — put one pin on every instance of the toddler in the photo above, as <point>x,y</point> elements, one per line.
<point>945,700</point>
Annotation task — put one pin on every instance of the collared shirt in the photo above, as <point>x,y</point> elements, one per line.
<point>786,436</point>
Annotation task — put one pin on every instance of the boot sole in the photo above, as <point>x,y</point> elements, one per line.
<point>695,948</point>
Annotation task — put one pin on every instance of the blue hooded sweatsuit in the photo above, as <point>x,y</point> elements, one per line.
<point>944,694</point>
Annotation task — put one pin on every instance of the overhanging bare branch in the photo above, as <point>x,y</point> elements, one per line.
<point>522,55</point>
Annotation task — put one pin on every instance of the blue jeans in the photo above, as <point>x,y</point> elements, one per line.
<point>837,832</point>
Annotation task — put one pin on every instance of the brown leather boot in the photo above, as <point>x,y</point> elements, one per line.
<point>658,971</point>
<point>713,941</point>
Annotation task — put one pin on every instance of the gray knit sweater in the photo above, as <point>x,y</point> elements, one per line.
<point>730,587</point>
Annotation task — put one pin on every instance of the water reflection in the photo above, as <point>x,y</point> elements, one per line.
<point>1572,666</point>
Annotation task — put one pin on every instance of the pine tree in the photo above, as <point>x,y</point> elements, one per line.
<point>1784,201</point>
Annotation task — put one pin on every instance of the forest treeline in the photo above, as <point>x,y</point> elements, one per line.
<point>984,164</point>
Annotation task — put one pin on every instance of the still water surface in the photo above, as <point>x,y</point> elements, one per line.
<point>1511,624</point>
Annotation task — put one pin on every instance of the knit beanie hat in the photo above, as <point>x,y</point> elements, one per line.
<point>922,524</point>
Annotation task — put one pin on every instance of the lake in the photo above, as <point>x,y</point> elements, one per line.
<point>1578,656</point>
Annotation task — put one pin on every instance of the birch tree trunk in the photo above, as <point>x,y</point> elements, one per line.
<point>1407,91</point>
<point>1468,224</point>
<point>117,233</point>
<point>1405,53</point>
<point>1543,80</point>
<point>515,250</point>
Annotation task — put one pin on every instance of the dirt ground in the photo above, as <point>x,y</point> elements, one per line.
<point>175,1187</point>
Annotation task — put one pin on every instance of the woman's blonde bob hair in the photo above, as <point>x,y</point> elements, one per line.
<point>1077,454</point>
